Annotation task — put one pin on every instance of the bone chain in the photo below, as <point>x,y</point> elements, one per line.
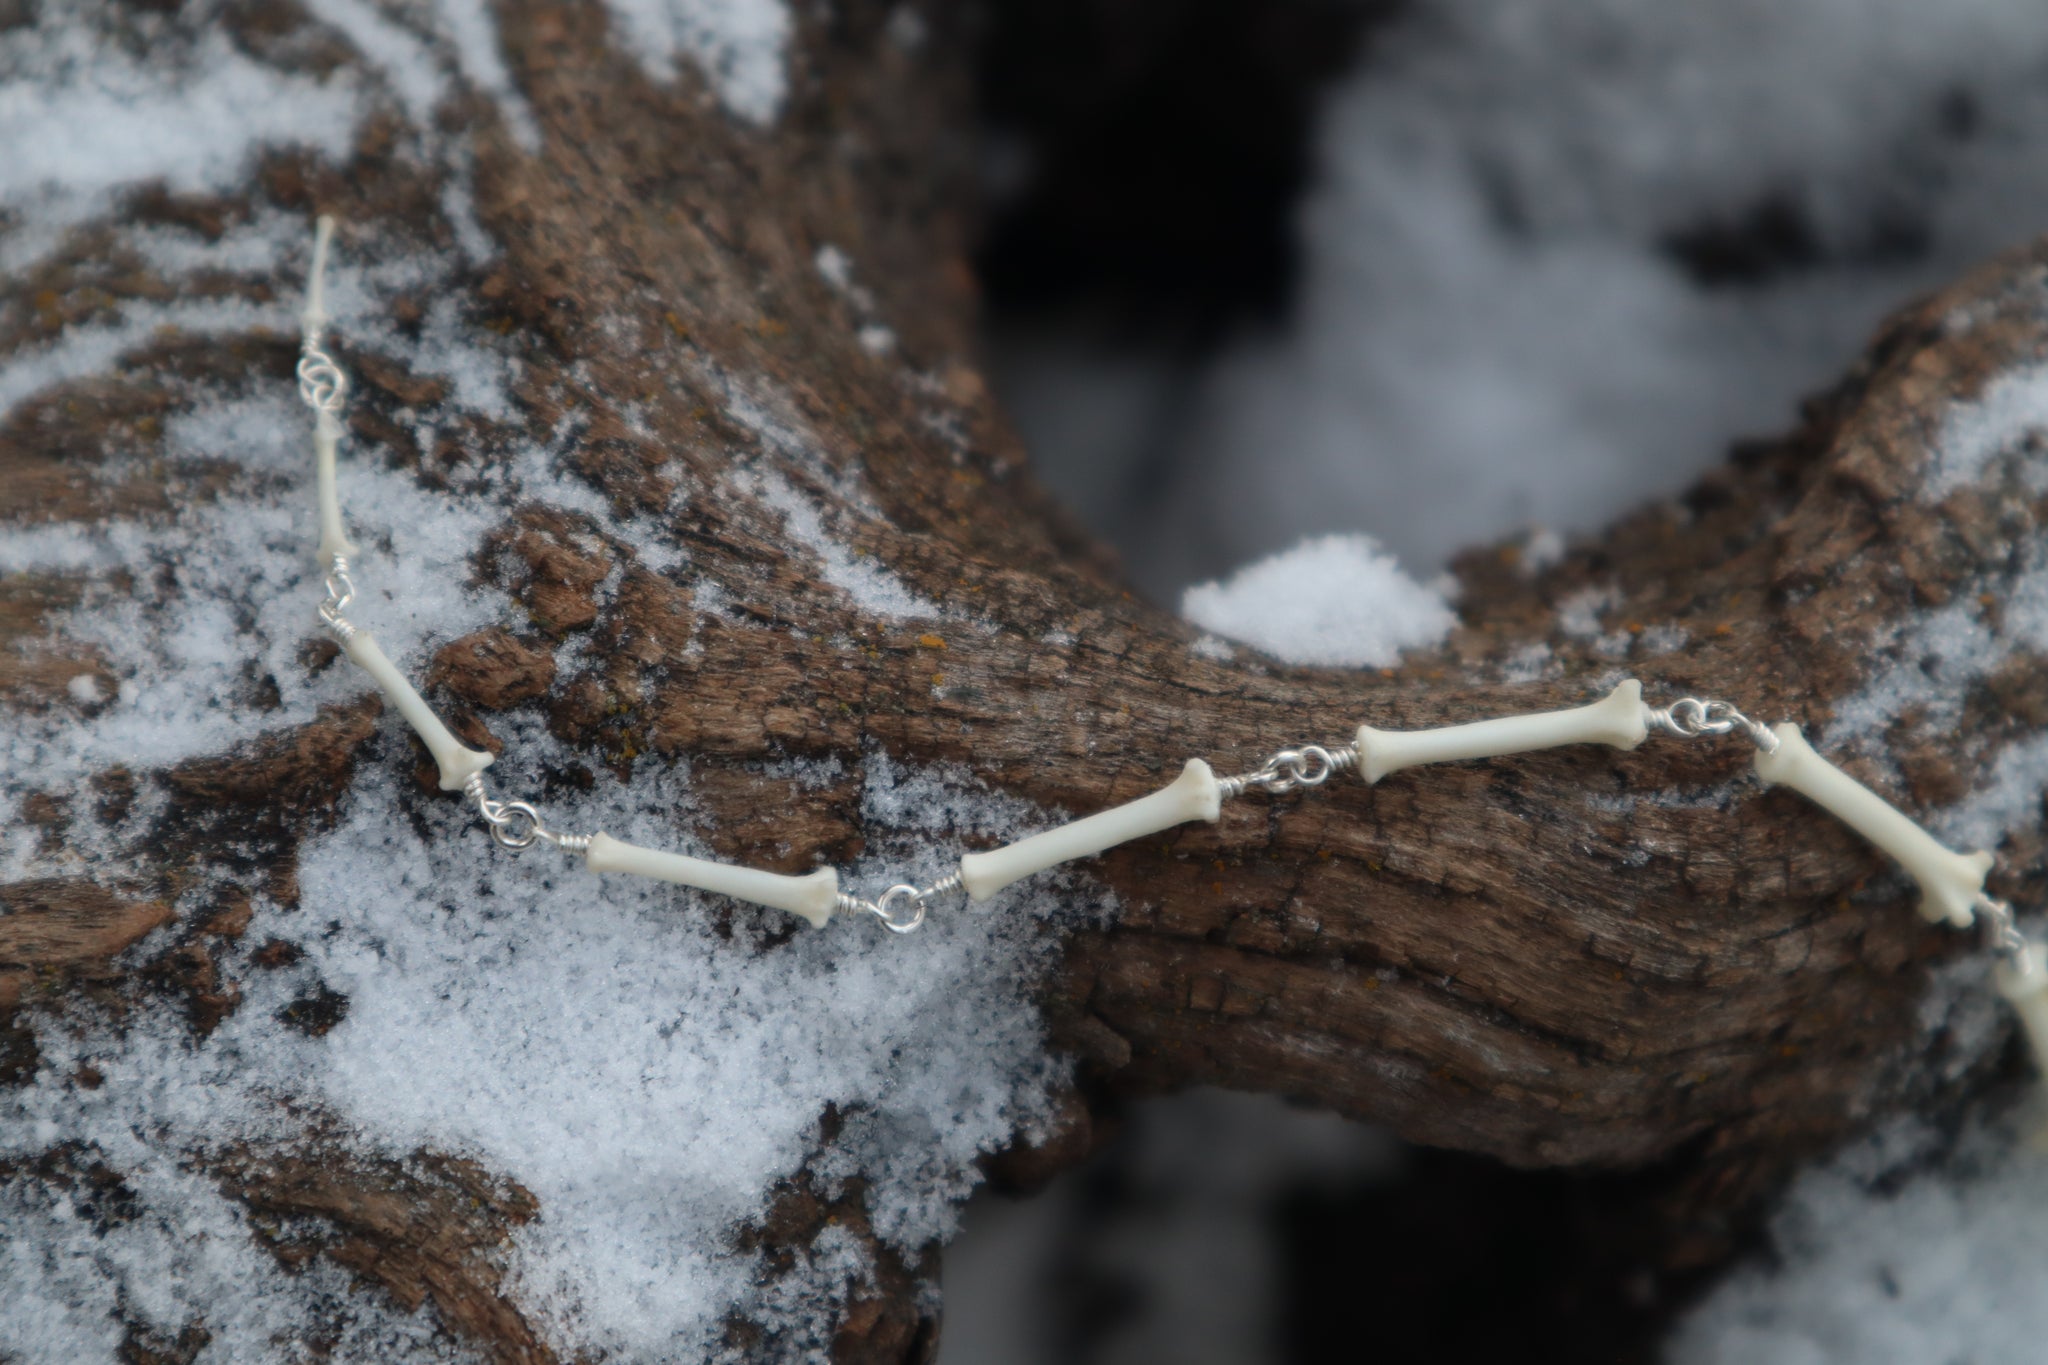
<point>1951,884</point>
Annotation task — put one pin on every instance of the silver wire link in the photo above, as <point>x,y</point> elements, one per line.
<point>340,592</point>
<point>889,907</point>
<point>1311,765</point>
<point>2001,934</point>
<point>322,383</point>
<point>1692,718</point>
<point>516,825</point>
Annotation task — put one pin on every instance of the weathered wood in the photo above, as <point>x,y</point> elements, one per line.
<point>1534,958</point>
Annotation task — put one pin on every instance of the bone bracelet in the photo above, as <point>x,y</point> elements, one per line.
<point>1951,883</point>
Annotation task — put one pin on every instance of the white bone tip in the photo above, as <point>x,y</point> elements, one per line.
<point>332,544</point>
<point>2025,977</point>
<point>1205,793</point>
<point>1949,881</point>
<point>822,890</point>
<point>456,761</point>
<point>2025,983</point>
<point>459,765</point>
<point>1194,795</point>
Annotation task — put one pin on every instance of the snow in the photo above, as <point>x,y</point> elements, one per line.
<point>89,350</point>
<point>598,1041</point>
<point>1925,673</point>
<point>1493,326</point>
<point>2011,413</point>
<point>875,590</point>
<point>647,1079</point>
<point>473,32</point>
<point>1331,600</point>
<point>1894,1252</point>
<point>741,46</point>
<point>602,1042</point>
<point>183,1254</point>
<point>81,116</point>
<point>834,267</point>
<point>404,61</point>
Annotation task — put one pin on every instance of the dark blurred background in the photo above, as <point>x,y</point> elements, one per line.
<point>1443,271</point>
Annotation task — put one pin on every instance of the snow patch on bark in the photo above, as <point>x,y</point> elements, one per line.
<point>1885,1257</point>
<point>741,46</point>
<point>1337,601</point>
<point>873,588</point>
<point>650,1062</point>
<point>81,116</point>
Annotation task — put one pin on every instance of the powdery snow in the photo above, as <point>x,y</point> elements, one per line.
<point>594,1039</point>
<point>80,116</point>
<point>873,588</point>
<point>1331,600</point>
<point>1493,325</point>
<point>740,46</point>
<point>2010,415</point>
<point>1881,1263</point>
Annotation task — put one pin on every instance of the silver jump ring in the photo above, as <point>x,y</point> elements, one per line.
<point>514,824</point>
<point>1282,772</point>
<point>1691,718</point>
<point>322,382</point>
<point>1311,765</point>
<point>341,590</point>
<point>883,908</point>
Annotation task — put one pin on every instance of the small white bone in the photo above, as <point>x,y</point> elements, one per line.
<point>1194,795</point>
<point>812,896</point>
<point>313,321</point>
<point>2025,984</point>
<point>456,762</point>
<point>333,538</point>
<point>1949,881</point>
<point>1616,719</point>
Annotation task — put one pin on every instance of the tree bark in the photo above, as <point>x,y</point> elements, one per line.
<point>1577,959</point>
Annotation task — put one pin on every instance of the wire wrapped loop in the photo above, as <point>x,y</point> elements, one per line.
<point>1693,718</point>
<point>1310,765</point>
<point>514,824</point>
<point>2001,933</point>
<point>894,919</point>
<point>322,383</point>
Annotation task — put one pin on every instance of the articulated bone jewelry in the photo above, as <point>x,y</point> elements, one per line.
<point>1617,720</point>
<point>1951,884</point>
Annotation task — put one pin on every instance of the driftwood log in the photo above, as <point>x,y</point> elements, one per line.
<point>1531,959</point>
